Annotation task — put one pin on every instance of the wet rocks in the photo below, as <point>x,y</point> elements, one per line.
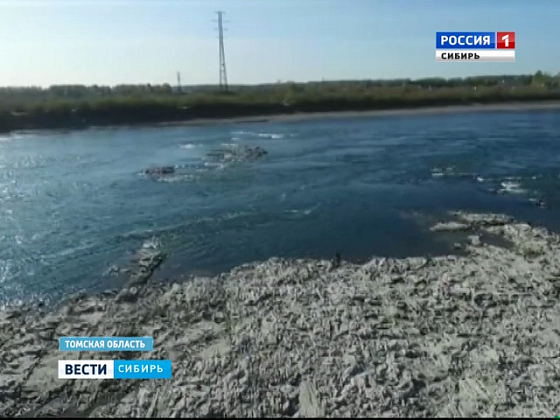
<point>483,220</point>
<point>159,170</point>
<point>450,227</point>
<point>474,240</point>
<point>236,153</point>
<point>146,260</point>
<point>228,154</point>
<point>537,202</point>
<point>446,336</point>
<point>142,266</point>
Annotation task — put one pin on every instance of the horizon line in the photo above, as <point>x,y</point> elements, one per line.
<point>279,81</point>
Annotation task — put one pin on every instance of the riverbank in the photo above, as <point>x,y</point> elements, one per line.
<point>449,336</point>
<point>192,111</point>
<point>451,109</point>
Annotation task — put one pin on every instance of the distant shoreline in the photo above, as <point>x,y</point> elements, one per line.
<point>302,116</point>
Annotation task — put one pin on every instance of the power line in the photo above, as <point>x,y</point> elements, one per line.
<point>223,72</point>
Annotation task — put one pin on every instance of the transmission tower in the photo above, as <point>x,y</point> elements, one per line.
<point>223,73</point>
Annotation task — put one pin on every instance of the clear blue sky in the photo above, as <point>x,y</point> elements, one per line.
<point>45,42</point>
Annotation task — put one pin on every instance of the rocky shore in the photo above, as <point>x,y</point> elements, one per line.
<point>469,335</point>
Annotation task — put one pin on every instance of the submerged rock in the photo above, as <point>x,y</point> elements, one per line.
<point>538,202</point>
<point>142,265</point>
<point>236,153</point>
<point>227,154</point>
<point>450,227</point>
<point>160,170</point>
<point>475,240</point>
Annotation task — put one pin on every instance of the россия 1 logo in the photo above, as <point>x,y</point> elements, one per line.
<point>475,46</point>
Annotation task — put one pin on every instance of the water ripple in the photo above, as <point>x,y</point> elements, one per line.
<point>72,203</point>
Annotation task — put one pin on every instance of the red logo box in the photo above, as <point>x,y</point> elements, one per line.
<point>505,40</point>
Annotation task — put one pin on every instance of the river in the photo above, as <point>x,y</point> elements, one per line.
<point>72,204</point>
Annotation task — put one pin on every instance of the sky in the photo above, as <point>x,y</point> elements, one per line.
<point>109,42</point>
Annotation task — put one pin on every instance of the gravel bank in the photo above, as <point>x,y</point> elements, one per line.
<point>453,336</point>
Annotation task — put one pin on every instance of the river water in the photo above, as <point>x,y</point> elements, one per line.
<point>72,204</point>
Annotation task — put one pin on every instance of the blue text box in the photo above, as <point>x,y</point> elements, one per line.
<point>142,369</point>
<point>106,344</point>
<point>465,40</point>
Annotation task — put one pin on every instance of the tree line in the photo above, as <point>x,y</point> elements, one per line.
<point>69,106</point>
<point>11,94</point>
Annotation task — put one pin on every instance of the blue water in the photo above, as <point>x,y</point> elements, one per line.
<point>74,203</point>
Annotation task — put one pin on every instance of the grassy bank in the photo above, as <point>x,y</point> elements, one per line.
<point>70,110</point>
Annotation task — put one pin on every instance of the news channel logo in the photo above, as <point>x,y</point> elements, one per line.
<point>111,369</point>
<point>494,47</point>
<point>114,369</point>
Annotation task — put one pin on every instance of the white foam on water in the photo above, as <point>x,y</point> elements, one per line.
<point>215,165</point>
<point>255,134</point>
<point>5,271</point>
<point>302,212</point>
<point>137,233</point>
<point>16,136</point>
<point>232,215</point>
<point>439,172</point>
<point>153,243</point>
<point>271,135</point>
<point>189,146</point>
<point>511,187</point>
<point>450,172</point>
<point>235,214</point>
<point>176,178</point>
